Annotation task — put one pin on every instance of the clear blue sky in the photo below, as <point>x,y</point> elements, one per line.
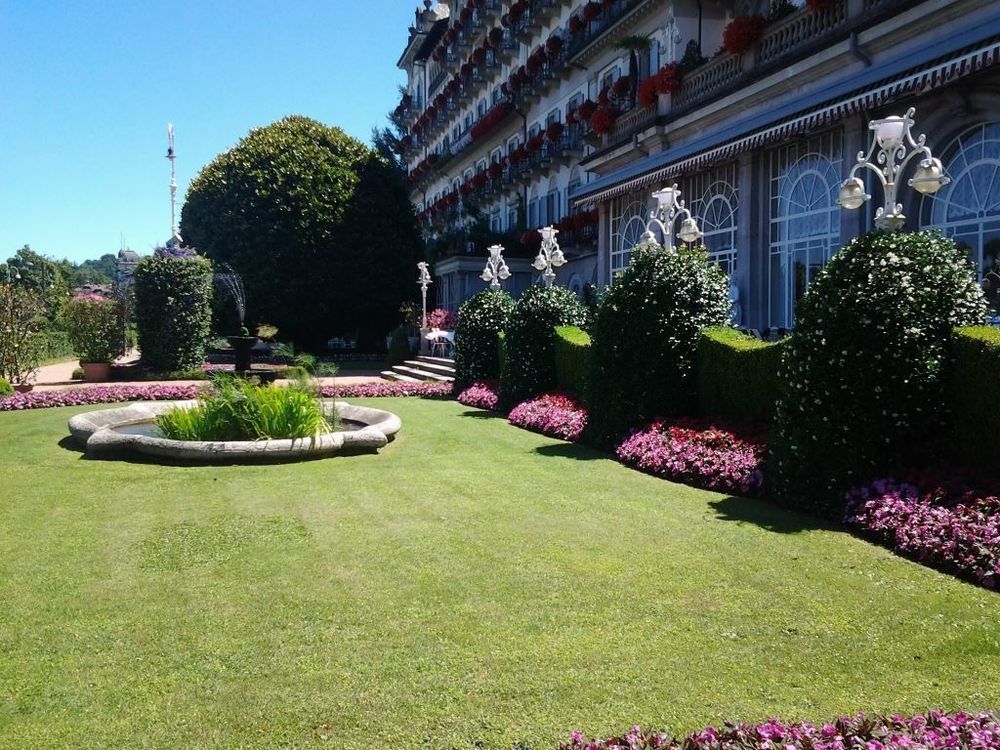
<point>87,89</point>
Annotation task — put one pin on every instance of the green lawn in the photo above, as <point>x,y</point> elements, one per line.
<point>471,586</point>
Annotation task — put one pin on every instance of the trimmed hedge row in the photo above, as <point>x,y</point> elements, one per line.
<point>737,374</point>
<point>480,320</point>
<point>572,355</point>
<point>974,379</point>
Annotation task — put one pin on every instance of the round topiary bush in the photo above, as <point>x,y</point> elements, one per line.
<point>173,311</point>
<point>529,366</point>
<point>480,321</point>
<point>862,379</point>
<point>6,389</point>
<point>645,338</point>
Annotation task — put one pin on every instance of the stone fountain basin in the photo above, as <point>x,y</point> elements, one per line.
<point>132,429</point>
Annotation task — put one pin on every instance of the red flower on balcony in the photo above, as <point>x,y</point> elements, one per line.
<point>591,10</point>
<point>585,111</point>
<point>505,88</point>
<point>742,33</point>
<point>479,56</point>
<point>819,6</point>
<point>602,120</point>
<point>466,69</point>
<point>532,66</point>
<point>495,171</point>
<point>449,36</point>
<point>496,38</point>
<point>466,15</point>
<point>479,180</point>
<point>518,155</point>
<point>576,25</point>
<point>490,120</point>
<point>534,143</point>
<point>565,224</point>
<point>668,79</point>
<point>554,130</point>
<point>621,87</point>
<point>506,21</point>
<point>553,45</point>
<point>517,10</point>
<point>531,239</point>
<point>647,92</point>
<point>602,98</point>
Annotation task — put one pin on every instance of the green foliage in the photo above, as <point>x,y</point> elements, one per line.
<point>53,345</point>
<point>646,338</point>
<point>863,378</point>
<point>50,279</point>
<point>22,316</point>
<point>320,228</point>
<point>501,350</point>
<point>399,347</point>
<point>173,311</point>
<point>529,367</point>
<point>6,389</point>
<point>481,319</point>
<point>101,271</point>
<point>737,374</point>
<point>972,388</point>
<point>95,329</point>
<point>238,409</point>
<point>572,355</point>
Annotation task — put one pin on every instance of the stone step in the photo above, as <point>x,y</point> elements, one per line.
<point>416,372</point>
<point>390,375</point>
<point>430,366</point>
<point>437,360</point>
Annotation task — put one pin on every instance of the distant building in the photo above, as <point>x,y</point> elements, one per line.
<point>127,261</point>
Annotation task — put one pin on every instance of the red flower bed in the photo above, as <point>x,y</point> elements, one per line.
<point>742,33</point>
<point>480,395</point>
<point>647,92</point>
<point>668,79</point>
<point>552,414</point>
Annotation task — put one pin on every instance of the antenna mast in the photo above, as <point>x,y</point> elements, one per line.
<point>175,234</point>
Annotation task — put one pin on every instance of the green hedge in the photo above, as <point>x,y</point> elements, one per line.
<point>173,311</point>
<point>480,320</point>
<point>737,374</point>
<point>974,380</point>
<point>501,349</point>
<point>572,359</point>
<point>54,345</point>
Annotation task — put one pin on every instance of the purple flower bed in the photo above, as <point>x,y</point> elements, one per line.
<point>98,395</point>
<point>387,389</point>
<point>934,731</point>
<point>697,454</point>
<point>959,533</point>
<point>480,396</point>
<point>552,414</point>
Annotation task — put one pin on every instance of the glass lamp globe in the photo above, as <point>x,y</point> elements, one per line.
<point>889,132</point>
<point>689,231</point>
<point>504,272</point>
<point>548,233</point>
<point>486,275</point>
<point>557,258</point>
<point>852,193</point>
<point>929,177</point>
<point>667,197</point>
<point>539,264</point>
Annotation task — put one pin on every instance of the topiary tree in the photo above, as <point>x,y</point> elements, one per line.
<point>529,365</point>
<point>480,320</point>
<point>645,338</point>
<point>862,379</point>
<point>173,311</point>
<point>319,227</point>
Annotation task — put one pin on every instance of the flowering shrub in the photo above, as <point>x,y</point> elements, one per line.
<point>480,320</point>
<point>698,454</point>
<point>95,328</point>
<point>742,33</point>
<point>935,730</point>
<point>387,389</point>
<point>862,380</point>
<point>552,414</point>
<point>480,395</point>
<point>442,319</point>
<point>958,533</point>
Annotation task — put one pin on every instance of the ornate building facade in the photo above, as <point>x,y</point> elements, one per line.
<point>573,112</point>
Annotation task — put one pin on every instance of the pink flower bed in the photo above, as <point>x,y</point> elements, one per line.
<point>480,396</point>
<point>552,414</point>
<point>932,731</point>
<point>959,533</point>
<point>697,454</point>
<point>98,395</point>
<point>443,319</point>
<point>387,389</point>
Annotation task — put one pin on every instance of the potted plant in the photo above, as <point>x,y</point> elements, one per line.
<point>95,330</point>
<point>21,315</point>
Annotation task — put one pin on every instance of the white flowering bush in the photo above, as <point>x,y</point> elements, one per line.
<point>529,367</point>
<point>645,338</point>
<point>863,378</point>
<point>480,320</point>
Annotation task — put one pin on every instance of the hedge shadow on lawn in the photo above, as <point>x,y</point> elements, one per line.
<point>574,451</point>
<point>482,414</point>
<point>768,516</point>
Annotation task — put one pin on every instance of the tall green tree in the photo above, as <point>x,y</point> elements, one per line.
<point>318,225</point>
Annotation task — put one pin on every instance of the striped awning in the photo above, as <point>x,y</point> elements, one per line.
<point>913,83</point>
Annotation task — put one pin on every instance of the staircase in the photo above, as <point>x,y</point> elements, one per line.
<point>423,370</point>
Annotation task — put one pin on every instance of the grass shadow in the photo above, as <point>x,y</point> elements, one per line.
<point>482,414</point>
<point>69,444</point>
<point>574,451</point>
<point>768,516</point>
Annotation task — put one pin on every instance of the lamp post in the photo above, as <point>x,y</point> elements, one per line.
<point>424,281</point>
<point>496,267</point>
<point>549,255</point>
<point>670,207</point>
<point>892,149</point>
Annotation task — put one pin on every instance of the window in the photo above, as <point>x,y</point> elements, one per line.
<point>495,223</point>
<point>804,219</point>
<point>497,93</point>
<point>714,202</point>
<point>553,116</point>
<point>968,208</point>
<point>533,213</point>
<point>628,223</point>
<point>552,207</point>
<point>512,220</point>
<point>495,156</point>
<point>468,121</point>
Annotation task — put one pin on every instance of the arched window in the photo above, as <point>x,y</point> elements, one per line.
<point>804,219</point>
<point>968,208</point>
<point>628,223</point>
<point>714,202</point>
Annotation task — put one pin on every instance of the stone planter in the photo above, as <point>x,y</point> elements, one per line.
<point>242,346</point>
<point>22,387</point>
<point>96,372</point>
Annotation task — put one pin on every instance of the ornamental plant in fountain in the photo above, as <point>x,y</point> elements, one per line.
<point>863,379</point>
<point>480,320</point>
<point>645,338</point>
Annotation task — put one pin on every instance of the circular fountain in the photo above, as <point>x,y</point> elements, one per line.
<point>132,429</point>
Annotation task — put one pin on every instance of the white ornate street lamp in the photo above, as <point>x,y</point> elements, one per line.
<point>891,151</point>
<point>496,267</point>
<point>549,255</point>
<point>424,281</point>
<point>670,207</point>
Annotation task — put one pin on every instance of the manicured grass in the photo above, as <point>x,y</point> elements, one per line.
<point>473,583</point>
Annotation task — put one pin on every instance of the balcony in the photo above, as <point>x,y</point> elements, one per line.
<point>610,18</point>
